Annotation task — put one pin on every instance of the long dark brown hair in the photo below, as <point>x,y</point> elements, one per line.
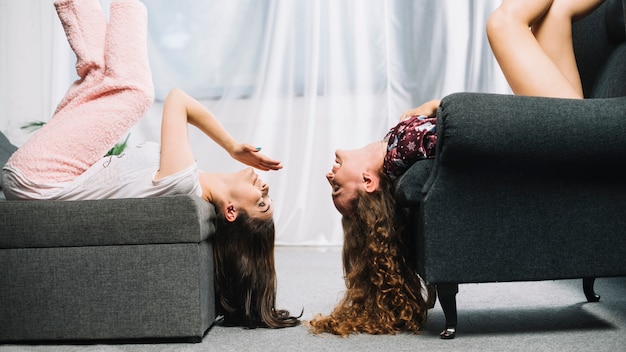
<point>384,294</point>
<point>245,276</point>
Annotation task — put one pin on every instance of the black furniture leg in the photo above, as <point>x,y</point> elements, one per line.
<point>588,289</point>
<point>447,298</point>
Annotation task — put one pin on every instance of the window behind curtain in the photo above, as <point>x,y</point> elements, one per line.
<point>213,49</point>
<point>206,47</point>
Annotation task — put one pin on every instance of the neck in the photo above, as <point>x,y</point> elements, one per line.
<point>382,153</point>
<point>211,184</point>
<point>377,151</point>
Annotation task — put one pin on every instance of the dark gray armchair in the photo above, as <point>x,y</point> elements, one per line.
<point>528,188</point>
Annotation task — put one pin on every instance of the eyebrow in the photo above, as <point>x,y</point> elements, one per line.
<point>266,210</point>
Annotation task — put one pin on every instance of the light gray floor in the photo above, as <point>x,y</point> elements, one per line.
<point>522,316</point>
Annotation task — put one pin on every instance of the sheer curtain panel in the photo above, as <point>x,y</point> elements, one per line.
<point>299,78</point>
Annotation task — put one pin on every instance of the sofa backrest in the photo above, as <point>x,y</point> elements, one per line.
<point>600,48</point>
<point>6,149</point>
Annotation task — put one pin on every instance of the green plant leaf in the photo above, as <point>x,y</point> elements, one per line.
<point>118,148</point>
<point>33,126</point>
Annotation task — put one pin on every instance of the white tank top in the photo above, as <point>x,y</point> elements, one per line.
<point>129,175</point>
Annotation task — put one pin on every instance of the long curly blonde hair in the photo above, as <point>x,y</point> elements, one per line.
<point>384,294</point>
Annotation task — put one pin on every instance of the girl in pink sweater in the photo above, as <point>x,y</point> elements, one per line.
<point>64,159</point>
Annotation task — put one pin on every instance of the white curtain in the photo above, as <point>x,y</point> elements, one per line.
<point>300,78</point>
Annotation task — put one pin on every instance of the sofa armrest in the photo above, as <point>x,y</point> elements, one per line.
<point>523,131</point>
<point>105,222</point>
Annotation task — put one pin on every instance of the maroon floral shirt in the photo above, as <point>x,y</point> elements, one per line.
<point>410,140</point>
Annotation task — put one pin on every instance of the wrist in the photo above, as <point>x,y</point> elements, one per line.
<point>230,146</point>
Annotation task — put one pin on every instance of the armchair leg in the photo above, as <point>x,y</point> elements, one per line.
<point>447,298</point>
<point>590,294</point>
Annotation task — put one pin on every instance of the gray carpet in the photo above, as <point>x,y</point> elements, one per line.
<point>529,316</point>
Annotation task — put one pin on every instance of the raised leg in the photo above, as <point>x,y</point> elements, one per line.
<point>126,48</point>
<point>590,294</point>
<point>97,115</point>
<point>540,62</point>
<point>85,27</point>
<point>447,298</point>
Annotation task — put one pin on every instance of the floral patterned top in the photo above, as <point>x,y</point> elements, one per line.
<point>409,141</point>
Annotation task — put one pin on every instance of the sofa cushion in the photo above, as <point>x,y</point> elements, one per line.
<point>611,80</point>
<point>596,40</point>
<point>409,185</point>
<point>616,20</point>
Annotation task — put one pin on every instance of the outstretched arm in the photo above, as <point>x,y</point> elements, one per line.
<point>427,109</point>
<point>180,110</point>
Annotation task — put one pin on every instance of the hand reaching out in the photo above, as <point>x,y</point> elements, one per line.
<point>251,156</point>
<point>181,109</point>
<point>427,109</point>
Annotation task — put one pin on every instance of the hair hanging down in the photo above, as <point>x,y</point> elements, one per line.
<point>245,276</point>
<point>384,294</point>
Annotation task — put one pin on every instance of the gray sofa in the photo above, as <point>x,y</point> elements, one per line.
<point>105,270</point>
<point>528,188</point>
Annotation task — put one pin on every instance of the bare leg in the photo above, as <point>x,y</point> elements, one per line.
<point>538,62</point>
<point>554,34</point>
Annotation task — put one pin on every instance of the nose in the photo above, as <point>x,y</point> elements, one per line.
<point>265,188</point>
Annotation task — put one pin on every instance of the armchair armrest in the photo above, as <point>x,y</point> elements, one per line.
<point>523,131</point>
